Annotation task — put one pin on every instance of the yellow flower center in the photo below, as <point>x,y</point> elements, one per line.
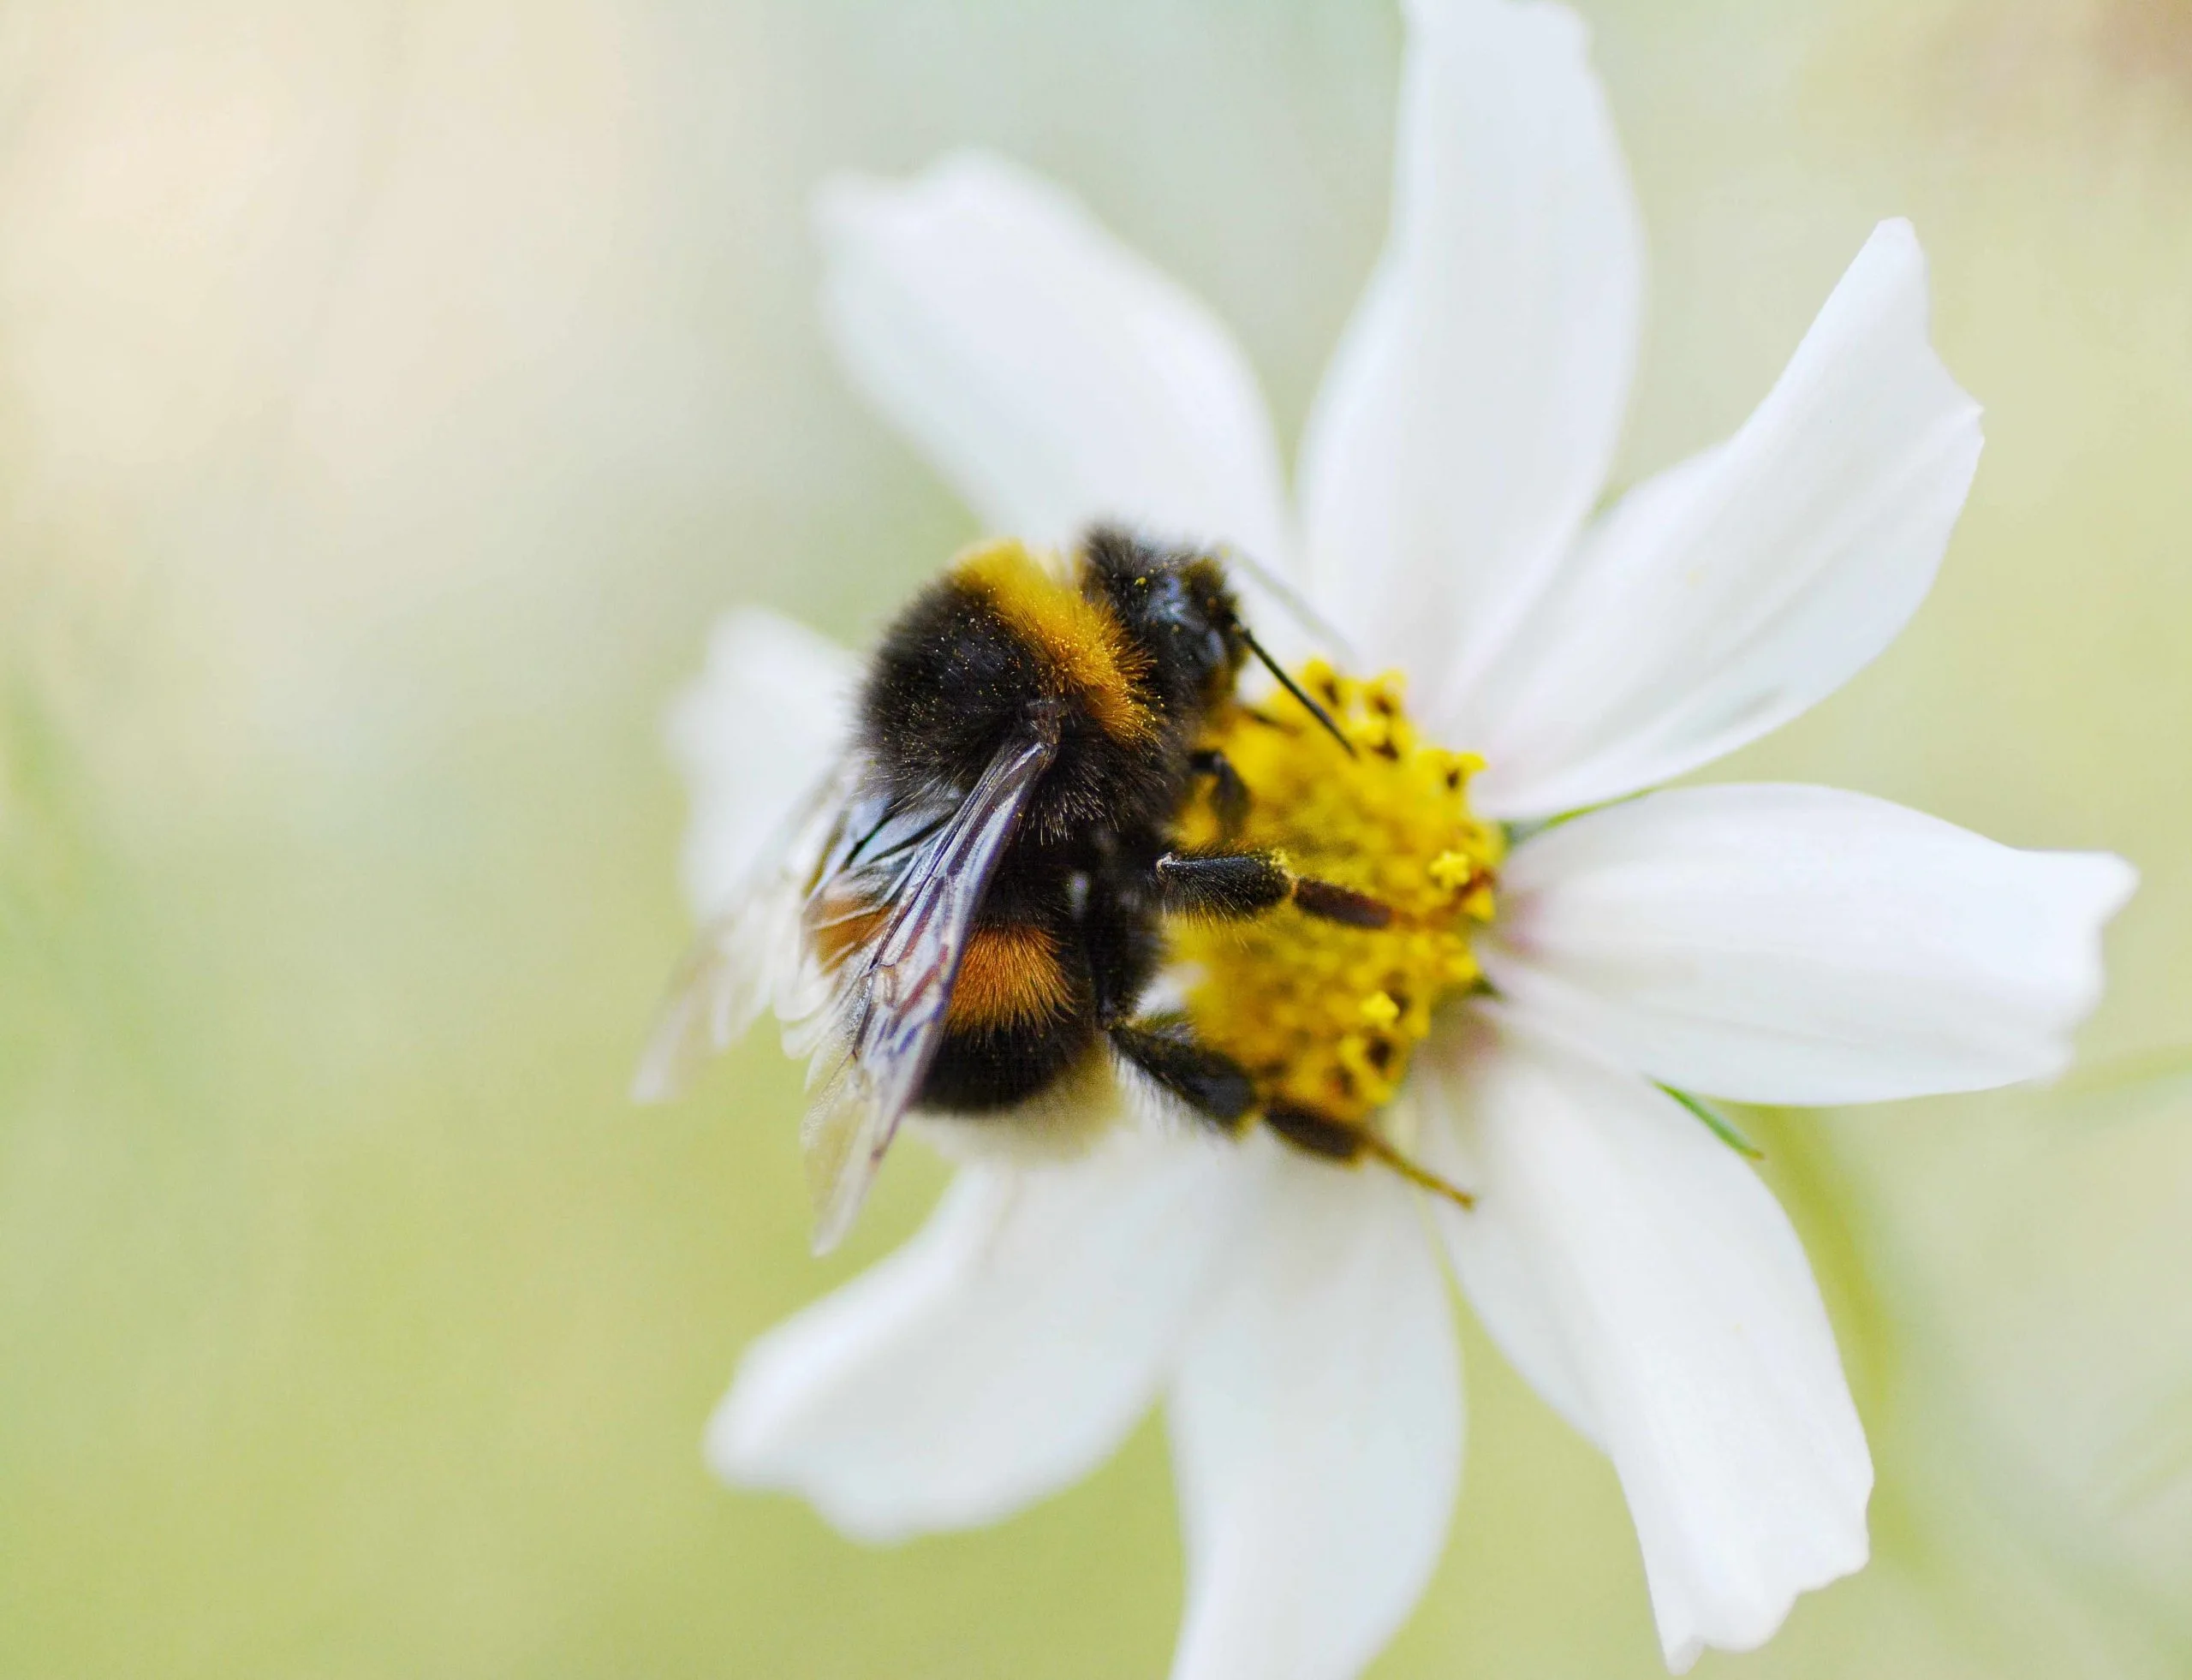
<point>1326,1015</point>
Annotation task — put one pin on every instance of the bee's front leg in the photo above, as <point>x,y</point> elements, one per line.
<point>1229,794</point>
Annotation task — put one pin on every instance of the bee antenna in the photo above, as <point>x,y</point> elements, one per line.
<point>1293,600</point>
<point>1295,689</point>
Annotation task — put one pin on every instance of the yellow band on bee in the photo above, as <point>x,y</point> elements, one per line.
<point>1084,651</point>
<point>1010,974</point>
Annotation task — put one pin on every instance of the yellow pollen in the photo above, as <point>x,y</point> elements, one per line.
<point>1324,1015</point>
<point>1450,869</point>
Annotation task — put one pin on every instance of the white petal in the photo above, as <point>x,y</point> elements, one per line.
<point>759,729</point>
<point>1792,944</point>
<point>1689,1334</point>
<point>1438,1090</point>
<point>1720,599</point>
<point>1468,419</point>
<point>1316,1430</point>
<point>1051,374</point>
<point>1001,1354</point>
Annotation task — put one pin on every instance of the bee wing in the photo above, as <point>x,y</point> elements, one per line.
<point>885,1018</point>
<point>744,953</point>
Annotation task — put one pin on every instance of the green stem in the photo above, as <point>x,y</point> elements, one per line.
<point>1718,1124</point>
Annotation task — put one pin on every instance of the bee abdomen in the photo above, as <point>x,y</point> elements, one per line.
<point>1010,974</point>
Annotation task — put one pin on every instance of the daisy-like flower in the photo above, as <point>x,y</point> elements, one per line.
<point>1775,945</point>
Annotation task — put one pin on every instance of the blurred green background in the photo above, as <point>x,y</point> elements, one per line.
<point>390,393</point>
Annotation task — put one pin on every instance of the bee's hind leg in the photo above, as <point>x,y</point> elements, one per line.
<point>1319,1134</point>
<point>1212,1084</point>
<point>1217,1088</point>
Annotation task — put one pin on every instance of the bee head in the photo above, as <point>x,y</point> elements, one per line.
<point>1177,610</point>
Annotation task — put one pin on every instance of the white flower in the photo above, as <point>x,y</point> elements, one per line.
<point>1760,944</point>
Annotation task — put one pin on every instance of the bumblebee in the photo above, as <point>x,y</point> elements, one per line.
<point>978,895</point>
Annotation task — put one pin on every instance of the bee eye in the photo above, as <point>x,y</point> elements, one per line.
<point>1213,649</point>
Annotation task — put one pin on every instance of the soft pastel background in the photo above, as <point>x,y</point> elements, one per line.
<point>390,393</point>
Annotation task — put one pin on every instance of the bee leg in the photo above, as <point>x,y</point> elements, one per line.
<point>1230,886</point>
<point>1215,1085</point>
<point>1334,1140</point>
<point>1229,794</point>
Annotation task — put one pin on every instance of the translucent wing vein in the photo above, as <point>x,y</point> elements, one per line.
<point>920,878</point>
